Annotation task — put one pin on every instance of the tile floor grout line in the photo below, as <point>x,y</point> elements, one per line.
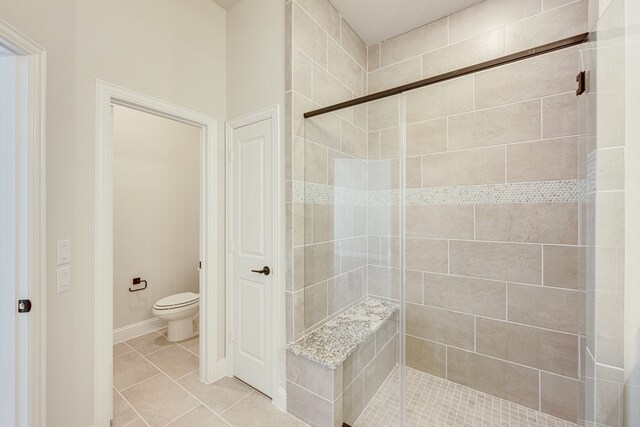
<point>243,398</point>
<point>132,408</point>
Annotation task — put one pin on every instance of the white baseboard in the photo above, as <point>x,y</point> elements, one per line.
<point>137,329</point>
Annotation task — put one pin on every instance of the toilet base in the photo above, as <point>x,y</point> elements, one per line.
<point>180,330</point>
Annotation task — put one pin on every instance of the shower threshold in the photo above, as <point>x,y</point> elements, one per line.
<point>434,401</point>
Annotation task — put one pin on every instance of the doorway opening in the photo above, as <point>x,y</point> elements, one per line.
<point>115,165</point>
<point>22,227</point>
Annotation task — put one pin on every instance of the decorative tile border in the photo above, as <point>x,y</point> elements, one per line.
<point>566,191</point>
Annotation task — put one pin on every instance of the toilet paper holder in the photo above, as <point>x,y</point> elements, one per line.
<point>137,281</point>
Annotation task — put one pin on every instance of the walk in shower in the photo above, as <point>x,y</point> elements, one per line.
<point>442,234</point>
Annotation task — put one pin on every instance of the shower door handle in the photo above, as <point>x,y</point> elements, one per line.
<point>265,270</point>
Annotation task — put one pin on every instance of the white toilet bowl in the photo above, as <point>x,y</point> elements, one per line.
<point>178,310</point>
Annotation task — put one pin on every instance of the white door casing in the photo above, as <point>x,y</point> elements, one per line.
<point>107,95</point>
<point>22,227</point>
<point>252,249</point>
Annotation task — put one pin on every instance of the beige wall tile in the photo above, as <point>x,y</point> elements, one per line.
<point>373,57</point>
<point>421,40</point>
<point>383,282</point>
<point>345,289</point>
<point>426,137</point>
<point>315,161</point>
<point>440,100</point>
<point>442,326</point>
<point>309,37</point>
<point>319,223</point>
<point>353,140</point>
<point>323,130</point>
<point>360,116</point>
<point>488,15</point>
<point>319,264</point>
<point>543,75</point>
<point>315,304</point>
<point>298,224</point>
<point>314,377</point>
<point>343,221</point>
<point>502,379</point>
<point>463,54</point>
<point>500,125</point>
<point>560,114</point>
<point>360,358</point>
<point>383,220</point>
<point>352,253</point>
<point>549,160</point>
<point>559,396</point>
<point>305,406</point>
<point>499,261</point>
<point>352,44</point>
<point>547,27</point>
<point>610,168</point>
<point>533,347</point>
<point>564,266</point>
<point>324,14</point>
<point>528,222</point>
<point>552,308</point>
<point>378,370</point>
<point>345,68</point>
<point>298,268</point>
<point>440,222</point>
<point>473,296</point>
<point>386,332</point>
<point>302,73</point>
<point>383,113</point>
<point>373,148</point>
<point>353,401</point>
<point>426,356</point>
<point>464,167</point>
<point>413,285</point>
<point>345,171</point>
<point>390,143</point>
<point>327,90</point>
<point>395,75</point>
<point>426,255</point>
<point>413,177</point>
<point>383,175</point>
<point>299,106</point>
<point>609,218</point>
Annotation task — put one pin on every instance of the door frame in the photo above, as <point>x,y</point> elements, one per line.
<point>279,397</point>
<point>108,94</point>
<point>33,76</point>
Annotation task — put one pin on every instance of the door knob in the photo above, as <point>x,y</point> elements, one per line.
<point>265,270</point>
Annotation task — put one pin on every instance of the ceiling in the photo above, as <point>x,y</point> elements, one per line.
<point>226,4</point>
<point>377,20</point>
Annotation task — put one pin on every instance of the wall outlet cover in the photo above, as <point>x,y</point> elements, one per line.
<point>63,252</point>
<point>64,279</point>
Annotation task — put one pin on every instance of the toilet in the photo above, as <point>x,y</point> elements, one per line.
<point>178,310</point>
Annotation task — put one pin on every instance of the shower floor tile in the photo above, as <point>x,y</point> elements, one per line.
<point>433,401</point>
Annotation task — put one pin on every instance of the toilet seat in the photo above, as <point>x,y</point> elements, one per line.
<point>182,300</point>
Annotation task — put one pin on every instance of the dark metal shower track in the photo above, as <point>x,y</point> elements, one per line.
<point>529,53</point>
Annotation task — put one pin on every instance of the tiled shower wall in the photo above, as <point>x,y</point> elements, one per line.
<point>326,241</point>
<point>603,113</point>
<point>495,280</point>
<point>495,277</point>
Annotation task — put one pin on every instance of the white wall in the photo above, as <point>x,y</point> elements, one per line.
<point>156,215</point>
<point>173,50</point>
<point>255,56</point>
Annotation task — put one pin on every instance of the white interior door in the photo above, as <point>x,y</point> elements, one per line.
<point>252,249</point>
<point>14,249</point>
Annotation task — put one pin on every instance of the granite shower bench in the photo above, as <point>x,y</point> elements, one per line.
<point>333,372</point>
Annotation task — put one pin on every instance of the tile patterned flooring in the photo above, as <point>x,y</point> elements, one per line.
<point>156,384</point>
<point>433,401</point>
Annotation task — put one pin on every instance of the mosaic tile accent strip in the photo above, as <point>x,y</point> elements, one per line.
<point>521,192</point>
<point>433,401</point>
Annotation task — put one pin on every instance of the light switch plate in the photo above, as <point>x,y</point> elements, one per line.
<point>64,278</point>
<point>64,252</point>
